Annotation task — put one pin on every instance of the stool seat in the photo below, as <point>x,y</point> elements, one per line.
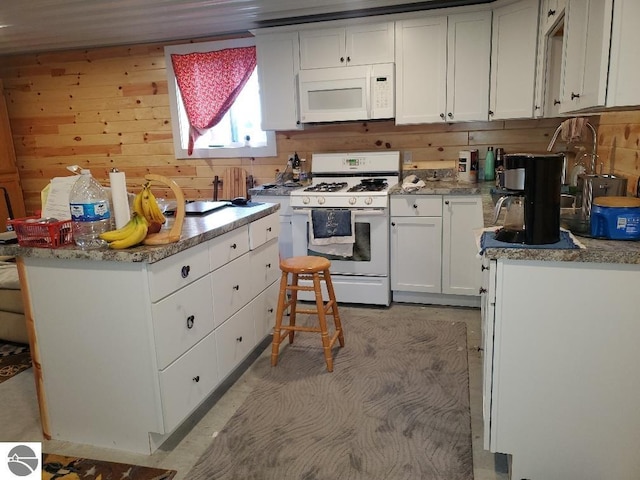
<point>315,269</point>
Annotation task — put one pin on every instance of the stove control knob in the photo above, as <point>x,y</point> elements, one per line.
<point>305,200</point>
<point>320,200</point>
<point>368,200</point>
<point>352,201</point>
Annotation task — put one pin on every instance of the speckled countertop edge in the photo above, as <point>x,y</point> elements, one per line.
<point>195,230</point>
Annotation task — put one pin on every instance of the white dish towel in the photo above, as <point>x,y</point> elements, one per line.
<point>332,231</point>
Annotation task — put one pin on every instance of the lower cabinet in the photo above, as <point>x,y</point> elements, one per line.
<point>433,251</point>
<point>148,341</point>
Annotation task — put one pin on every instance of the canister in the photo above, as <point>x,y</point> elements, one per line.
<point>616,218</point>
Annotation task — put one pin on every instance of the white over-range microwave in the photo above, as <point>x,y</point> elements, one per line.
<point>360,92</point>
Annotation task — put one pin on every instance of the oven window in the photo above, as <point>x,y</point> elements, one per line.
<point>361,247</point>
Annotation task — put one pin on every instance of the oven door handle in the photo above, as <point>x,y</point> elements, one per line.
<point>355,211</point>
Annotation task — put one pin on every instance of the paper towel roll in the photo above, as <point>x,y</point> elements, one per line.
<point>119,198</point>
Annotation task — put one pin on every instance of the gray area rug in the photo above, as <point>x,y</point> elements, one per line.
<point>395,407</point>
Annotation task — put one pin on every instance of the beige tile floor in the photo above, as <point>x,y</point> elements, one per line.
<point>19,418</point>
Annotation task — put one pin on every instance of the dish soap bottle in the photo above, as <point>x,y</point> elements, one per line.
<point>90,212</point>
<point>489,167</point>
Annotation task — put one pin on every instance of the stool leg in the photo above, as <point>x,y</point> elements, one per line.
<point>294,305</point>
<point>282,300</point>
<point>334,306</point>
<point>326,342</point>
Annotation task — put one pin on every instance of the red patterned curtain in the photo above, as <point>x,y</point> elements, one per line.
<point>209,84</point>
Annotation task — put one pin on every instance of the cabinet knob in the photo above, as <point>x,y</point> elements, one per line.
<point>393,224</point>
<point>415,206</point>
<point>341,59</point>
<point>196,378</point>
<point>551,13</point>
<point>185,271</point>
<point>536,107</point>
<point>446,202</point>
<point>268,265</point>
<point>556,102</point>
<point>190,321</point>
<point>574,95</point>
<point>483,268</point>
<point>348,59</point>
<point>239,339</point>
<point>268,229</point>
<point>450,115</point>
<point>270,310</point>
<point>234,246</point>
<point>482,290</point>
<point>442,116</point>
<point>491,113</point>
<point>236,287</point>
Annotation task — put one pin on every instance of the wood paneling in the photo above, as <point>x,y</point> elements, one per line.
<point>109,108</point>
<point>619,145</point>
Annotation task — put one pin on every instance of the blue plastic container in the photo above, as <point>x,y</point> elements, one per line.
<point>615,223</point>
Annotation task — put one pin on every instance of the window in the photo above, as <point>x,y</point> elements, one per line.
<point>238,134</point>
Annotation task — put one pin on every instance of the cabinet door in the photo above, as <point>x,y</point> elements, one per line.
<point>586,54</point>
<point>421,70</point>
<point>624,69</point>
<point>322,48</point>
<point>513,60</point>
<point>370,44</point>
<point>235,338</point>
<point>416,258</point>
<point>469,51</point>
<point>278,65</point>
<point>460,262</point>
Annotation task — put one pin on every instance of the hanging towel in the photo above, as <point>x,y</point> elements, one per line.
<point>332,231</point>
<point>572,129</point>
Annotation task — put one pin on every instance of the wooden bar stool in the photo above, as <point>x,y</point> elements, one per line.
<point>317,270</point>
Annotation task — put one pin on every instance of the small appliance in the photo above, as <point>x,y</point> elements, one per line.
<point>533,182</point>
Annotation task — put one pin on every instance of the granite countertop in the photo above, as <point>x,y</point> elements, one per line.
<point>274,190</point>
<point>195,230</point>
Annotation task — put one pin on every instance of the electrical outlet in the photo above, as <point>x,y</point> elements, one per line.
<point>407,157</point>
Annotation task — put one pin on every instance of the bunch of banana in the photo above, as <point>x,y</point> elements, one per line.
<point>131,234</point>
<point>146,205</point>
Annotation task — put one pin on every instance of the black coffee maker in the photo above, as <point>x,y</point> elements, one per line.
<point>533,202</point>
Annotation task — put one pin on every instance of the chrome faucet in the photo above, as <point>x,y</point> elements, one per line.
<point>594,145</point>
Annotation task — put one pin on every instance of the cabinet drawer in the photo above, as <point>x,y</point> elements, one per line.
<point>188,381</point>
<point>264,266</point>
<point>176,271</point>
<point>416,206</point>
<point>263,230</point>
<point>231,288</point>
<point>183,319</point>
<point>235,338</point>
<point>226,247</point>
<point>264,311</point>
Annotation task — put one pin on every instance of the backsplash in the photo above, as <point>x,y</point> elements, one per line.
<point>109,107</point>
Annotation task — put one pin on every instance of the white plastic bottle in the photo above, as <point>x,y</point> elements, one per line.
<point>90,211</point>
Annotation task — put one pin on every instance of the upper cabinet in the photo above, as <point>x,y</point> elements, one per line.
<point>624,67</point>
<point>513,60</point>
<point>442,68</point>
<point>354,45</point>
<point>550,12</point>
<point>278,66</point>
<point>585,58</point>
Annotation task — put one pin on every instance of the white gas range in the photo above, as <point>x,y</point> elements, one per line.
<point>349,187</point>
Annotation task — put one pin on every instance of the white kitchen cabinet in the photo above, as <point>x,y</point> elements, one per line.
<point>150,341</point>
<point>624,68</point>
<point>364,44</point>
<point>433,251</point>
<point>442,68</point>
<point>278,57</point>
<point>585,59</point>
<point>285,237</point>
<point>513,60</point>
<point>560,385</point>
<point>550,13</point>
<point>461,214</point>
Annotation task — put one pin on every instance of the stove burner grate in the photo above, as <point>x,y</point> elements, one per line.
<point>326,187</point>
<point>369,187</point>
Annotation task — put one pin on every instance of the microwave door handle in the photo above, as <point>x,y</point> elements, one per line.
<point>369,88</point>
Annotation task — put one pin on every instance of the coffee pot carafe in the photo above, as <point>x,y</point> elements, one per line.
<point>513,230</point>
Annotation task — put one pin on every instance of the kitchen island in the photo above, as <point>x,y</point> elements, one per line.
<point>560,332</point>
<point>127,344</point>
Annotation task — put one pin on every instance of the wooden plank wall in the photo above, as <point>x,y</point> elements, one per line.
<point>619,146</point>
<point>109,108</point>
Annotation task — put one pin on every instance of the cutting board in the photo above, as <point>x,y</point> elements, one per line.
<point>202,207</point>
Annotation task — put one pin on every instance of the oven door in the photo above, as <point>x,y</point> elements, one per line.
<point>370,250</point>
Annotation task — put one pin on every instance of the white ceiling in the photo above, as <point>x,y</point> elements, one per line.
<point>47,25</point>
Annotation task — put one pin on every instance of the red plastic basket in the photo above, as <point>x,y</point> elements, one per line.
<point>32,233</point>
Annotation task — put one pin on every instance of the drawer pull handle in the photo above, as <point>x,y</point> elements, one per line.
<point>482,290</point>
<point>196,378</point>
<point>239,339</point>
<point>236,287</point>
<point>185,271</point>
<point>190,320</point>
<point>234,246</point>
